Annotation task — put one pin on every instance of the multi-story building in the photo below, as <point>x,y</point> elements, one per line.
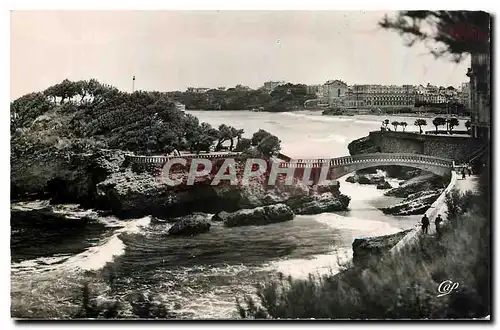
<point>335,91</point>
<point>199,90</point>
<point>380,96</point>
<point>464,95</point>
<point>433,94</point>
<point>269,86</point>
<point>318,90</point>
<point>480,93</point>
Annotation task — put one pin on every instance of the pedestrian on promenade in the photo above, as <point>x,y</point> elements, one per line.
<point>425,224</point>
<point>469,170</point>
<point>437,222</point>
<point>463,173</point>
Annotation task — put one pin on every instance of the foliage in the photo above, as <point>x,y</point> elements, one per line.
<point>266,143</point>
<point>243,144</point>
<point>453,33</point>
<point>468,125</point>
<point>420,123</point>
<point>403,124</point>
<point>438,121</point>
<point>142,122</point>
<point>452,122</point>
<point>458,203</point>
<point>395,124</point>
<point>282,98</point>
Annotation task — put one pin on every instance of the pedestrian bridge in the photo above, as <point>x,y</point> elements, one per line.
<point>337,167</point>
<point>344,165</point>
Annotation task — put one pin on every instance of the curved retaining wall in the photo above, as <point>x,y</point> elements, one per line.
<point>438,207</point>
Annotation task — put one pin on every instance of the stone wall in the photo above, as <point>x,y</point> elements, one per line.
<point>457,148</point>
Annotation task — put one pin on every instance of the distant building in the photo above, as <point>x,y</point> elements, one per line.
<point>180,106</point>
<point>335,91</point>
<point>375,96</point>
<point>199,90</point>
<point>318,90</point>
<point>480,93</point>
<point>269,86</point>
<point>464,95</point>
<point>433,94</point>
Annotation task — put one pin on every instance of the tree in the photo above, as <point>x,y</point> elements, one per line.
<point>269,146</point>
<point>386,123</point>
<point>243,144</point>
<point>452,122</point>
<point>453,33</point>
<point>403,124</point>
<point>438,121</point>
<point>224,135</point>
<point>395,124</point>
<point>468,125</point>
<point>259,136</point>
<point>234,135</point>
<point>420,123</point>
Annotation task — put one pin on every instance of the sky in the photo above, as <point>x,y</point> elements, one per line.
<point>173,50</point>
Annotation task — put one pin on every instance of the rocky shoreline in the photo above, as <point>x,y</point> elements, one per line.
<point>103,180</point>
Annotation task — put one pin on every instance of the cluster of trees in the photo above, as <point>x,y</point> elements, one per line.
<point>142,122</point>
<point>438,121</point>
<point>395,124</point>
<point>282,98</point>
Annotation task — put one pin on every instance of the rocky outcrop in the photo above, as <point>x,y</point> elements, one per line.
<point>384,185</point>
<point>131,194</point>
<point>321,203</point>
<point>190,226</point>
<point>366,178</point>
<point>362,146</point>
<point>255,217</point>
<point>417,203</point>
<point>368,250</point>
<point>422,183</point>
<point>63,175</point>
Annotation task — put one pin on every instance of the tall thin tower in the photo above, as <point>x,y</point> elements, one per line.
<point>133,83</point>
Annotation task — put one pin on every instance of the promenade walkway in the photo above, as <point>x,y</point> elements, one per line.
<point>438,207</point>
<point>463,185</point>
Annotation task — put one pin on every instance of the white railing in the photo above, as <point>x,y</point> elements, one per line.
<point>302,163</point>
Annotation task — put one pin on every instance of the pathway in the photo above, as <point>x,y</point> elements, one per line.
<point>463,185</point>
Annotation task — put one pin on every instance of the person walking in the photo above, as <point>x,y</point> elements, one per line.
<point>463,173</point>
<point>438,222</point>
<point>469,170</point>
<point>425,224</point>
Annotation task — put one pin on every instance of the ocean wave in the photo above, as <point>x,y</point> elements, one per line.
<point>30,206</point>
<point>370,227</point>
<point>324,264</point>
<point>94,258</point>
<point>319,118</point>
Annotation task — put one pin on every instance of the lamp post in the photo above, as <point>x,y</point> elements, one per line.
<point>133,83</point>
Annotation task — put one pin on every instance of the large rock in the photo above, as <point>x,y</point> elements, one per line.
<point>368,250</point>
<point>384,185</point>
<point>366,178</point>
<point>190,226</point>
<point>417,203</point>
<point>63,175</point>
<point>322,203</point>
<point>422,183</point>
<point>256,217</point>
